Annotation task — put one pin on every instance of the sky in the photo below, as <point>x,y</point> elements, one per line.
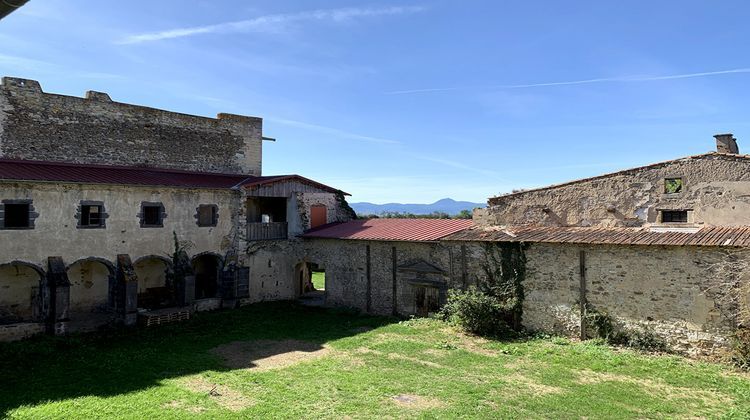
<point>409,101</point>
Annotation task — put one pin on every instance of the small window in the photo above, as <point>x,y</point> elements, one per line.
<point>674,216</point>
<point>152,215</point>
<point>91,214</point>
<point>17,216</point>
<point>672,185</point>
<point>208,215</point>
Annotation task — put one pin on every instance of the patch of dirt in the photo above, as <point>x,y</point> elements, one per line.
<point>417,402</point>
<point>658,386</point>
<point>222,395</point>
<point>260,355</point>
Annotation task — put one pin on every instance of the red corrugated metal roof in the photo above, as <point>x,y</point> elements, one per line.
<point>24,170</point>
<point>705,236</point>
<point>413,230</point>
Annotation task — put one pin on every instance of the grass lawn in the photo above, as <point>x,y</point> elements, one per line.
<point>282,360</point>
<point>319,280</point>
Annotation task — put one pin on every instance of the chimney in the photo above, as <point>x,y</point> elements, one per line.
<point>726,143</point>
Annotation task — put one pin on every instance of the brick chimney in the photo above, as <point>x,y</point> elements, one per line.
<point>726,143</point>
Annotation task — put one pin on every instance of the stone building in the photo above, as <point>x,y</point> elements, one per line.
<point>661,249</point>
<point>94,194</point>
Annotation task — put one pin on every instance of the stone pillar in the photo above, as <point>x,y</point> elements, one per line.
<point>126,291</point>
<point>186,291</point>
<point>57,293</point>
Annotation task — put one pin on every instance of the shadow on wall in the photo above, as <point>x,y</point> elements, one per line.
<point>48,368</point>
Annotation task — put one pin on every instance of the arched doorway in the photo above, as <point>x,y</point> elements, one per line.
<point>206,268</point>
<point>90,281</point>
<point>153,291</point>
<point>20,292</point>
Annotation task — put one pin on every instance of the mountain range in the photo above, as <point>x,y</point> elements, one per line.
<point>445,205</point>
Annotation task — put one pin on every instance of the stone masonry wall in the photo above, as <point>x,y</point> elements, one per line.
<point>716,189</point>
<point>42,126</point>
<point>673,291</point>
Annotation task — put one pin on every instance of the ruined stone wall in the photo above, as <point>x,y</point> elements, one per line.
<point>56,233</point>
<point>334,211</point>
<point>673,291</point>
<point>42,126</point>
<point>716,188</point>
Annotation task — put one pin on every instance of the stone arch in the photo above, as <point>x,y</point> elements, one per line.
<point>91,284</point>
<point>207,269</point>
<point>151,271</point>
<point>20,291</point>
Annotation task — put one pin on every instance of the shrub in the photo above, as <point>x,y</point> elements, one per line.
<point>741,348</point>
<point>477,313</point>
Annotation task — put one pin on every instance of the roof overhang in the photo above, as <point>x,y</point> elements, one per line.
<point>9,6</point>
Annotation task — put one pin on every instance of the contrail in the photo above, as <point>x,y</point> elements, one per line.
<point>577,82</point>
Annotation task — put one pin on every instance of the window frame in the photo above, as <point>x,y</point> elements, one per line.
<point>214,215</point>
<point>142,214</point>
<point>32,214</point>
<point>102,215</point>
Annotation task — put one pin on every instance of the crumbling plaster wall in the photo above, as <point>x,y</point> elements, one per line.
<point>56,234</point>
<point>716,188</point>
<point>40,126</point>
<point>334,211</point>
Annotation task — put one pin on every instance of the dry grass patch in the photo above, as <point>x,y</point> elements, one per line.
<point>397,356</point>
<point>417,402</point>
<point>657,386</point>
<point>531,385</point>
<point>222,395</point>
<point>261,355</point>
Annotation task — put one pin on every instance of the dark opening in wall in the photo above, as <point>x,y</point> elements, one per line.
<point>674,216</point>
<point>207,215</point>
<point>91,214</point>
<point>152,214</point>
<point>17,216</point>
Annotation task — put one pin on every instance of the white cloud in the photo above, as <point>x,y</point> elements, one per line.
<point>622,79</point>
<point>272,23</point>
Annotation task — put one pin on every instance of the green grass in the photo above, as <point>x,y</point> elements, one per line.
<point>170,372</point>
<point>319,280</point>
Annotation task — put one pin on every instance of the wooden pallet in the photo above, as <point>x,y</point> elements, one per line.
<point>163,316</point>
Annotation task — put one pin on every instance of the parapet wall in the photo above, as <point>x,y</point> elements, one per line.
<point>41,126</point>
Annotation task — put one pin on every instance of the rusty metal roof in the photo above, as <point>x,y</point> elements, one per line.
<point>63,172</point>
<point>410,230</point>
<point>738,236</point>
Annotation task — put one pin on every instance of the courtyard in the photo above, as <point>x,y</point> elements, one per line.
<point>283,360</point>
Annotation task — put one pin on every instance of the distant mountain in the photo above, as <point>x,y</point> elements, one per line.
<point>445,205</point>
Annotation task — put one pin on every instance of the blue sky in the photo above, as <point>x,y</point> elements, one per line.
<point>414,101</point>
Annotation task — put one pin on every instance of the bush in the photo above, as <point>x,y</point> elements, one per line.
<point>741,348</point>
<point>477,313</point>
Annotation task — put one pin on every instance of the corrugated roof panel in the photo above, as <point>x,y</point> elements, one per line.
<point>413,230</point>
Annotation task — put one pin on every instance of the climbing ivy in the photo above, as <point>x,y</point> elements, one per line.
<point>341,198</point>
<point>505,269</point>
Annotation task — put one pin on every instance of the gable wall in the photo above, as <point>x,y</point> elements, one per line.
<point>716,188</point>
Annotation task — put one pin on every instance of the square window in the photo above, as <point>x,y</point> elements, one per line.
<point>152,215</point>
<point>672,185</point>
<point>17,216</point>
<point>207,215</point>
<point>674,216</point>
<point>92,215</point>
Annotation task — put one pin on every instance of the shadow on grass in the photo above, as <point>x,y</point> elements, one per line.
<point>120,361</point>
